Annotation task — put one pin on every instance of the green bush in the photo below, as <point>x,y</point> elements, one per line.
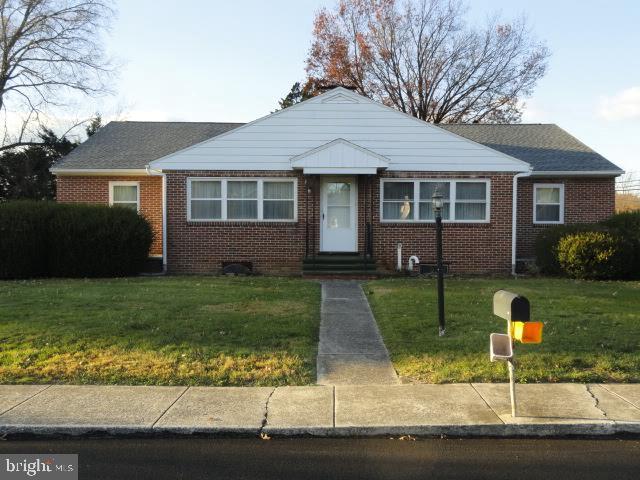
<point>626,226</point>
<point>23,238</point>
<point>98,241</point>
<point>590,255</point>
<point>62,240</point>
<point>546,246</point>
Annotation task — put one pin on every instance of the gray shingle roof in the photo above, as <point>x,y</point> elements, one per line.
<point>546,147</point>
<point>132,145</point>
<point>135,144</point>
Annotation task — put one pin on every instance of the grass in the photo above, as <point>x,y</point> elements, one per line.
<point>159,331</point>
<point>591,330</point>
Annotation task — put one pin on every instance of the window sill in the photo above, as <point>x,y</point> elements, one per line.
<point>241,222</point>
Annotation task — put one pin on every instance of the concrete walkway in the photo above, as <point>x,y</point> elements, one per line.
<point>351,350</point>
<point>343,410</point>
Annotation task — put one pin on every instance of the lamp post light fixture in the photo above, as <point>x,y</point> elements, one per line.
<point>438,203</point>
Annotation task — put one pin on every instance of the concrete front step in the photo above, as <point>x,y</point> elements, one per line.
<point>339,265</point>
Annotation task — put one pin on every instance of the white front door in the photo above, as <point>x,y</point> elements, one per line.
<point>338,214</point>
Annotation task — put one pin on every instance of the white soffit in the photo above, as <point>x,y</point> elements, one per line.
<point>406,143</point>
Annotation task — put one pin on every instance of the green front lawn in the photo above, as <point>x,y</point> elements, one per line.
<point>159,331</point>
<point>591,330</point>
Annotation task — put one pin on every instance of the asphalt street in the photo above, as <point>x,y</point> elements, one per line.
<point>309,458</point>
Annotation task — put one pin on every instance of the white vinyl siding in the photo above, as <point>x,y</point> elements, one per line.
<point>406,143</point>
<point>465,200</point>
<point>548,203</point>
<point>241,199</point>
<point>125,194</point>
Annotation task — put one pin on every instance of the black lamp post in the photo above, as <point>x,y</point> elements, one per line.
<point>437,203</point>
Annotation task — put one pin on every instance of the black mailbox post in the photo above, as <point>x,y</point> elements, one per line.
<point>511,306</point>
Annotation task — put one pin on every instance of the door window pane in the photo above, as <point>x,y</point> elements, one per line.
<point>338,217</point>
<point>339,194</point>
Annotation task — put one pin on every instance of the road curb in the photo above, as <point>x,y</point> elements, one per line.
<point>513,430</point>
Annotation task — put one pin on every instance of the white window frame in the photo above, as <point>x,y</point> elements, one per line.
<point>535,203</point>
<point>452,199</point>
<point>120,183</point>
<point>223,210</point>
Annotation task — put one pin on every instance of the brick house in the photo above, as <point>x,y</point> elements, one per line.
<point>336,183</point>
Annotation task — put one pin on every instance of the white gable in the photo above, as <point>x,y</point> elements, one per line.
<point>271,142</point>
<point>338,157</point>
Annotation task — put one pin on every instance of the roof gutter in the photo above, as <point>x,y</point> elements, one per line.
<point>164,213</point>
<point>514,218</point>
<point>99,171</point>
<point>585,173</point>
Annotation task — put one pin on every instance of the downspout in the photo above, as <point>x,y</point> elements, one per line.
<point>514,218</point>
<point>164,214</point>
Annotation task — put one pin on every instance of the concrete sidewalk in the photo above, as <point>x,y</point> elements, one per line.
<point>348,410</point>
<point>351,350</point>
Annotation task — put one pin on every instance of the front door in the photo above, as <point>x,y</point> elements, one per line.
<point>338,214</point>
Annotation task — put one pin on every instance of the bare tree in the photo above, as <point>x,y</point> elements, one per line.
<point>49,49</point>
<point>420,57</point>
<point>628,192</point>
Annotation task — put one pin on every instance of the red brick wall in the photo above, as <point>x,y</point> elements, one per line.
<point>585,200</point>
<point>201,247</point>
<point>278,247</point>
<point>95,189</point>
<point>468,248</point>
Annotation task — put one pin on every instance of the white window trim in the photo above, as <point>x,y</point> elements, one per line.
<point>535,204</point>
<point>124,184</point>
<point>452,201</point>
<point>260,199</point>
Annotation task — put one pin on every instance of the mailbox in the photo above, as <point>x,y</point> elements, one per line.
<point>500,347</point>
<point>511,306</point>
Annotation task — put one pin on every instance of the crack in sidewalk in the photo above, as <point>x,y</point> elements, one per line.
<point>265,418</point>
<point>596,400</point>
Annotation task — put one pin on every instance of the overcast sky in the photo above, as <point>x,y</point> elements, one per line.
<point>232,61</point>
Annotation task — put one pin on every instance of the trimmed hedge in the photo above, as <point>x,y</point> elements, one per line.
<point>63,240</point>
<point>626,226</point>
<point>590,255</point>
<point>24,230</point>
